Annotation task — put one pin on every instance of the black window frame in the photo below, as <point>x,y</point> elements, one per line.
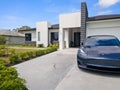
<point>28,36</point>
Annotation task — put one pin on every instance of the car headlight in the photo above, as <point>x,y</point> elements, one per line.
<point>82,52</point>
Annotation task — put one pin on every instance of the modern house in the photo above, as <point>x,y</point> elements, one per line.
<point>13,37</point>
<point>73,28</point>
<point>86,26</point>
<point>44,33</point>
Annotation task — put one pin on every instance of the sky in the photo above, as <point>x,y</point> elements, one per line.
<point>17,13</point>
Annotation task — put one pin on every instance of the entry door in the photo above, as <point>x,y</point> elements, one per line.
<point>76,39</point>
<point>52,37</point>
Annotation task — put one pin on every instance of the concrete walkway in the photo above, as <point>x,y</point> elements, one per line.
<point>46,72</point>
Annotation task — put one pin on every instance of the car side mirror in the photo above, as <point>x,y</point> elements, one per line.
<point>82,43</point>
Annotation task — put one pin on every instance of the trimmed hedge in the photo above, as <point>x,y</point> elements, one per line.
<point>2,40</point>
<point>2,46</point>
<point>40,52</point>
<point>16,58</point>
<point>24,56</point>
<point>2,52</point>
<point>9,79</point>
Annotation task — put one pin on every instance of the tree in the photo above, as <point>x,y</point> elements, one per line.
<point>2,40</point>
<point>22,28</point>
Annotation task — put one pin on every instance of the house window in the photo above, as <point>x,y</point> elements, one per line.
<point>28,37</point>
<point>54,37</point>
<point>38,36</point>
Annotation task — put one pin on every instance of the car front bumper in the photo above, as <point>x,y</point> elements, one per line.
<point>99,65</point>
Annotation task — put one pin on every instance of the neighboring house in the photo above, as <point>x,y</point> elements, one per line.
<point>13,37</point>
<point>44,34</point>
<point>73,28</point>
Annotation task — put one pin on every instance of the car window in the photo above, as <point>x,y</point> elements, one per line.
<point>101,41</point>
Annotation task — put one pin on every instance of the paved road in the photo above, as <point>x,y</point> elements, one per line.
<point>78,79</point>
<point>46,72</point>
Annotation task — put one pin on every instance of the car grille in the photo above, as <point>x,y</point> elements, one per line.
<point>106,63</point>
<point>104,68</point>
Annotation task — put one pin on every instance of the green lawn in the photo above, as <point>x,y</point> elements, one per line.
<point>16,54</point>
<point>19,50</point>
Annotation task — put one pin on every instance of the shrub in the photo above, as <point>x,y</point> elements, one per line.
<point>24,56</point>
<point>2,61</point>
<point>9,79</point>
<point>12,51</point>
<point>14,58</point>
<point>40,52</point>
<point>54,45</point>
<point>31,54</point>
<point>34,53</point>
<point>2,40</point>
<point>2,52</point>
<point>2,46</point>
<point>40,45</point>
<point>28,45</point>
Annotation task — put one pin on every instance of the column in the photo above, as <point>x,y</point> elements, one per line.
<point>61,41</point>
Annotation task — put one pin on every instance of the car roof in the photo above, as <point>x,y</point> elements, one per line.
<point>112,36</point>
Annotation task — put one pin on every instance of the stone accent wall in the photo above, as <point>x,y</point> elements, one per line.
<point>84,16</point>
<point>15,40</point>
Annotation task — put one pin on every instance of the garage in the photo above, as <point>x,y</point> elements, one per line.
<point>104,25</point>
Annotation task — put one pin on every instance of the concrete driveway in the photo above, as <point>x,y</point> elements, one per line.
<point>58,71</point>
<point>78,79</point>
<point>46,72</point>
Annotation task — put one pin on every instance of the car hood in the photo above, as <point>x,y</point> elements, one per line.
<point>112,52</point>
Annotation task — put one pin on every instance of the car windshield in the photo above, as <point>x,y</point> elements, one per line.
<point>102,41</point>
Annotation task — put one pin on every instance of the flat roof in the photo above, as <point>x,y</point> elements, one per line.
<point>54,26</point>
<point>31,29</point>
<point>104,17</point>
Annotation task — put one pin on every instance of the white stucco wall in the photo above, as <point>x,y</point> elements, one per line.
<point>42,27</point>
<point>104,27</point>
<point>33,34</point>
<point>70,20</point>
<point>66,21</point>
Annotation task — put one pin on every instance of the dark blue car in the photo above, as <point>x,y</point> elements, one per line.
<point>100,52</point>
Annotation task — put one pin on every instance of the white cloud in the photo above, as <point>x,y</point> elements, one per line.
<point>104,12</point>
<point>107,3</point>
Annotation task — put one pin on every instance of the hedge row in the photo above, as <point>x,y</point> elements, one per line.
<point>9,79</point>
<point>16,58</point>
<point>2,50</point>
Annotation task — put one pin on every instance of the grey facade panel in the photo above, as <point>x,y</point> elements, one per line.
<point>84,16</point>
<point>30,42</point>
<point>15,40</point>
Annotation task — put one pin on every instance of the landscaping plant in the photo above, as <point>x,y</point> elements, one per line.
<point>9,79</point>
